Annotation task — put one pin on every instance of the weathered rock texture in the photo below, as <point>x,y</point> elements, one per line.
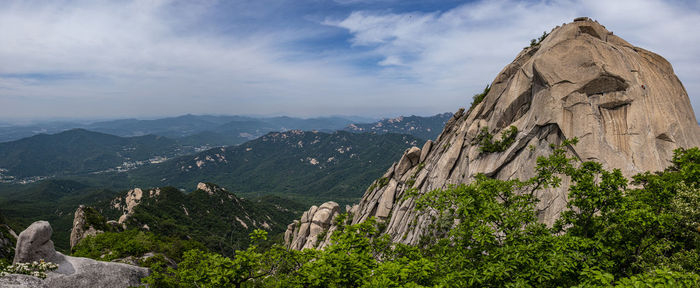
<point>35,244</point>
<point>132,199</point>
<point>624,104</point>
<point>314,222</point>
<point>81,227</point>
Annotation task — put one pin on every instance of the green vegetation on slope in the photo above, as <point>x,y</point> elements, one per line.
<point>612,236</point>
<point>51,200</point>
<point>109,246</point>
<point>7,243</point>
<point>477,98</point>
<point>276,164</point>
<point>488,145</point>
<point>79,152</point>
<point>217,218</point>
<point>309,166</point>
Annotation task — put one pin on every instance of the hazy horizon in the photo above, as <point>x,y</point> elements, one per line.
<point>88,120</point>
<point>376,59</point>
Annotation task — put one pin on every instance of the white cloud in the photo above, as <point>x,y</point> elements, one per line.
<point>463,48</point>
<point>139,58</point>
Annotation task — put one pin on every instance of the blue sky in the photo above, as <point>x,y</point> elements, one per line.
<point>112,59</point>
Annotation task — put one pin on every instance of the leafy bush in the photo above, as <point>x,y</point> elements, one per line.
<point>114,245</point>
<point>379,183</point>
<point>94,219</point>
<point>611,236</point>
<point>477,98</point>
<point>488,145</point>
<point>535,42</point>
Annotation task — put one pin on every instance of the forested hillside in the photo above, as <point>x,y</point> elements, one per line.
<point>309,165</point>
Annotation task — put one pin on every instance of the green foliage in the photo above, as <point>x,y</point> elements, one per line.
<point>535,42</point>
<point>271,168</point>
<point>379,183</point>
<point>114,245</point>
<point>79,151</point>
<point>51,200</point>
<point>488,145</point>
<point>203,269</point>
<point>486,234</point>
<point>277,165</point>
<point>477,98</point>
<point>212,219</point>
<point>36,269</point>
<point>7,243</point>
<point>94,219</point>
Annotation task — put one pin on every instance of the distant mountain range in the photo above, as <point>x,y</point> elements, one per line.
<point>81,151</point>
<point>221,130</point>
<point>211,131</point>
<point>427,128</point>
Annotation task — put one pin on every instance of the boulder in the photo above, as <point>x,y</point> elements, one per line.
<point>409,159</point>
<point>304,233</point>
<point>34,244</point>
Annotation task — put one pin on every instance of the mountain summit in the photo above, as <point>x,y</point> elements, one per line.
<point>624,104</point>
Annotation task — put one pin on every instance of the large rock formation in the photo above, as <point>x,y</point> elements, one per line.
<point>81,226</point>
<point>34,244</point>
<point>132,199</point>
<point>624,104</point>
<point>314,223</point>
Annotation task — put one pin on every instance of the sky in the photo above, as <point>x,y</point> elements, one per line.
<point>305,58</point>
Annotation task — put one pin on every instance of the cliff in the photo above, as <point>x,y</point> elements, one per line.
<point>624,104</point>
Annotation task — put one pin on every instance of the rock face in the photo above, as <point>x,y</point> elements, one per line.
<point>211,189</point>
<point>79,230</point>
<point>314,222</point>
<point>132,199</point>
<point>624,104</point>
<point>35,244</point>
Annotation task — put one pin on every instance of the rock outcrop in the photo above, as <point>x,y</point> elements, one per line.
<point>34,244</point>
<point>624,104</point>
<point>132,199</point>
<point>81,226</point>
<point>315,223</point>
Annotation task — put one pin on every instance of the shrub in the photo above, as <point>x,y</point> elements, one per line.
<point>36,269</point>
<point>477,98</point>
<point>488,145</point>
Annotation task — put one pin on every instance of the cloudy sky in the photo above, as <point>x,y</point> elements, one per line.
<point>107,59</point>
